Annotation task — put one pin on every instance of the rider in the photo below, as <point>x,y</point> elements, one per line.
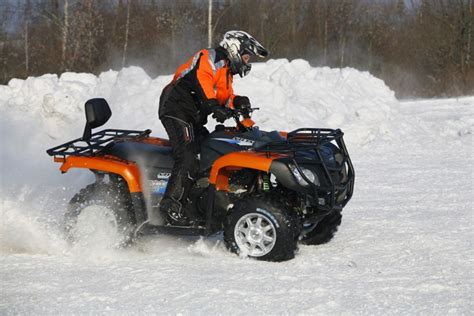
<point>201,86</point>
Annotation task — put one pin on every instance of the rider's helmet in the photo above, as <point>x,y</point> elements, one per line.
<point>238,43</point>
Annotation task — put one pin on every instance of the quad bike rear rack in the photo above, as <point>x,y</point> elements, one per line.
<point>97,143</point>
<point>311,139</point>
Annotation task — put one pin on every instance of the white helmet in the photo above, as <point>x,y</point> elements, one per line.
<point>238,43</point>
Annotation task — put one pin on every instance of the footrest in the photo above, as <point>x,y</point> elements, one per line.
<point>148,229</point>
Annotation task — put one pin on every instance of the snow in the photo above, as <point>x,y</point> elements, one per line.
<point>405,245</point>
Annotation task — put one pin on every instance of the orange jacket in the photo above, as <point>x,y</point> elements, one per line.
<point>212,75</point>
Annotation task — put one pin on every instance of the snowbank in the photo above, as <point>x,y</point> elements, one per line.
<point>290,94</point>
<point>294,94</point>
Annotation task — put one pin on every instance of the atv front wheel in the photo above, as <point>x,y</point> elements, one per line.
<point>99,211</point>
<point>261,228</point>
<point>323,231</point>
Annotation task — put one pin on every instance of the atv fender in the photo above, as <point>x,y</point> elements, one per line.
<point>238,160</point>
<point>129,171</point>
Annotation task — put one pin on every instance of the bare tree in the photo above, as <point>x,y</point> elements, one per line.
<point>26,39</point>
<point>209,24</point>
<point>89,27</point>
<point>469,34</point>
<point>127,27</point>
<point>65,33</point>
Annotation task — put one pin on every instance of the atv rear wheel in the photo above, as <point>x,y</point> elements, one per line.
<point>100,208</point>
<point>261,228</point>
<point>323,231</point>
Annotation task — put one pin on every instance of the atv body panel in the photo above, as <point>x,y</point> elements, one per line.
<point>223,141</point>
<point>147,155</point>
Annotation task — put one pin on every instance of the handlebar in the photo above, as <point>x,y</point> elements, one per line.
<point>245,112</point>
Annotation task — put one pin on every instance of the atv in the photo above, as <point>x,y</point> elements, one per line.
<point>266,191</point>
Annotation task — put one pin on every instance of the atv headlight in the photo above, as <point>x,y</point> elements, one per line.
<point>310,175</point>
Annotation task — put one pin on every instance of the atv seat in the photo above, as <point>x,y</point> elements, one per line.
<point>143,154</point>
<point>97,114</point>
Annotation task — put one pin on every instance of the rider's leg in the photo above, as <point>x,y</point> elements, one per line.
<point>182,177</point>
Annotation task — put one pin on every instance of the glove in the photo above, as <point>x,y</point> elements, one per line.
<point>220,113</point>
<point>208,105</point>
<point>241,102</point>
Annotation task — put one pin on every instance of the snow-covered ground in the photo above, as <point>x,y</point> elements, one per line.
<point>405,245</point>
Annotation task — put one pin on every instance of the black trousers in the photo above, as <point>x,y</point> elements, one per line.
<point>185,135</point>
<point>186,163</point>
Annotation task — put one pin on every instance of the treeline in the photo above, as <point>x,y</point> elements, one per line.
<point>421,48</point>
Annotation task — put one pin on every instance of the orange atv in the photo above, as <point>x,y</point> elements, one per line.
<point>266,191</point>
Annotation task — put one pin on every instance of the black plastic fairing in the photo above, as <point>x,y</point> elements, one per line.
<point>139,208</point>
<point>143,154</point>
<point>221,142</point>
<point>281,170</point>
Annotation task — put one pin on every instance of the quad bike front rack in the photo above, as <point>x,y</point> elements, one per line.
<point>311,139</point>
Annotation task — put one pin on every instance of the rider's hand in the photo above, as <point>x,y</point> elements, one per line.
<point>220,113</point>
<point>241,102</point>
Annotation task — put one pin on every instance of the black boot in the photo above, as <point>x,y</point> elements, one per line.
<point>174,212</point>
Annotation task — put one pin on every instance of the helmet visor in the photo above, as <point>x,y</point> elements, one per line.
<point>252,47</point>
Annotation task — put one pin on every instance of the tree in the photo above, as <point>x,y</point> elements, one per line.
<point>65,33</point>
<point>127,30</point>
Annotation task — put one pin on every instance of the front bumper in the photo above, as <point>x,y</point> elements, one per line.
<point>336,177</point>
